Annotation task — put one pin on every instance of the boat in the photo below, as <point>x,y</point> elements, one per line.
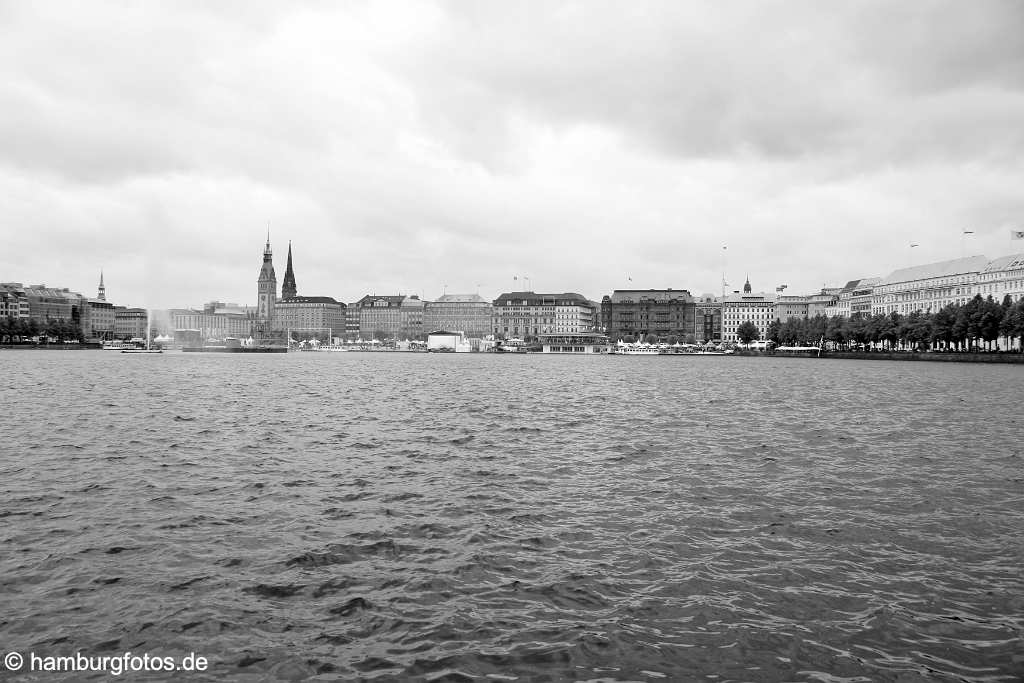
<point>638,349</point>
<point>118,345</point>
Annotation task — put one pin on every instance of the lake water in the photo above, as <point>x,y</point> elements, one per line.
<point>507,517</point>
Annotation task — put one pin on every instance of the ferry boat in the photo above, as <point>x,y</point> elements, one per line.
<point>118,345</point>
<point>637,349</point>
<point>641,351</point>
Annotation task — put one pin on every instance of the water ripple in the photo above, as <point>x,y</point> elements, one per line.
<point>442,517</point>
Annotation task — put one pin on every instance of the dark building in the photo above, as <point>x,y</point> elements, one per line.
<point>288,289</point>
<point>708,324</point>
<point>636,313</point>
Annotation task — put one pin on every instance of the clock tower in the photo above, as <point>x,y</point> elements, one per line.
<point>267,288</point>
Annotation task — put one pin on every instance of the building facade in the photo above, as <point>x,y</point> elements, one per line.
<point>748,306</point>
<point>790,307</point>
<point>1002,277</point>
<point>928,287</point>
<point>310,314</point>
<point>661,313</point>
<point>470,314</point>
<point>528,314</point>
<point>390,317</point>
<point>13,301</point>
<point>98,319</point>
<point>130,323</point>
<point>193,324</point>
<point>855,297</point>
<point>707,318</point>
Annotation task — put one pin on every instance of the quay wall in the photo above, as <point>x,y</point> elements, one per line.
<point>941,357</point>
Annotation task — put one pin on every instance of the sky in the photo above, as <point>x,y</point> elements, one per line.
<point>458,147</point>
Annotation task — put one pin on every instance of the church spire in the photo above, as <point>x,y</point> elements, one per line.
<point>288,289</point>
<point>101,294</point>
<point>746,287</point>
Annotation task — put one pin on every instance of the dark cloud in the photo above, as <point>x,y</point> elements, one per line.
<point>411,145</point>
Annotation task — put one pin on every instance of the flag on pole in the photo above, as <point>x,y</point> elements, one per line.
<point>913,244</point>
<point>1017,234</point>
<point>629,278</point>
<point>968,232</point>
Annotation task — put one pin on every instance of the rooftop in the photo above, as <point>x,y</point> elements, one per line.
<point>663,295</point>
<point>1012,262</point>
<point>461,299</point>
<point>309,300</point>
<point>928,271</point>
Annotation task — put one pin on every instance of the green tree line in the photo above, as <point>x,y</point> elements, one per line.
<point>979,322</point>
<point>14,330</point>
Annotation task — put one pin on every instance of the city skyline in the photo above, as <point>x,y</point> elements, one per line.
<point>402,148</point>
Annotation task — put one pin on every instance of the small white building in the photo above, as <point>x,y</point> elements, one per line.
<point>450,342</point>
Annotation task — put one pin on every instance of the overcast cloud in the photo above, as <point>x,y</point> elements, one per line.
<point>405,147</point>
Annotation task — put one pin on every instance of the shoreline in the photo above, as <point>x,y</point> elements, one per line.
<point>939,357</point>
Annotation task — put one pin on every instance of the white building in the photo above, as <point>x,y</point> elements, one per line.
<point>1002,276</point>
<point>855,297</point>
<point>757,308</point>
<point>455,342</point>
<point>928,287</point>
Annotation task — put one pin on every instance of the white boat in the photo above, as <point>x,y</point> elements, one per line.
<point>637,349</point>
<point>118,345</point>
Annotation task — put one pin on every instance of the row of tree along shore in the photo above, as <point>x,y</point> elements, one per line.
<point>977,325</point>
<point>20,330</point>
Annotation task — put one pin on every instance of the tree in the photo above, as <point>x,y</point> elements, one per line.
<point>673,339</point>
<point>774,328</point>
<point>690,339</point>
<point>629,339</point>
<point>747,332</point>
<point>835,331</point>
<point>991,314</point>
<point>650,339</point>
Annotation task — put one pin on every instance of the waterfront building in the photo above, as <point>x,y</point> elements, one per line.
<point>266,293</point>
<point>928,287</point>
<point>129,323</point>
<point>661,313</point>
<point>310,314</point>
<point>755,307</point>
<point>528,314</point>
<point>470,314</point>
<point>50,303</point>
<point>790,307</point>
<point>352,321</point>
<point>13,301</point>
<point>390,317</point>
<point>454,342</point>
<point>1002,277</point>
<point>823,303</point>
<point>855,297</point>
<point>98,319</point>
<point>707,318</point>
<point>194,325</point>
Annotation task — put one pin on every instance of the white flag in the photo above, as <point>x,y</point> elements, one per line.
<point>1017,234</point>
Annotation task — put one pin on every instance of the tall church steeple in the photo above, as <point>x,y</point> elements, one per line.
<point>266,286</point>
<point>288,286</point>
<point>746,287</point>
<point>101,293</point>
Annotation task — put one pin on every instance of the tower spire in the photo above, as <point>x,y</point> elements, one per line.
<point>288,288</point>
<point>101,294</point>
